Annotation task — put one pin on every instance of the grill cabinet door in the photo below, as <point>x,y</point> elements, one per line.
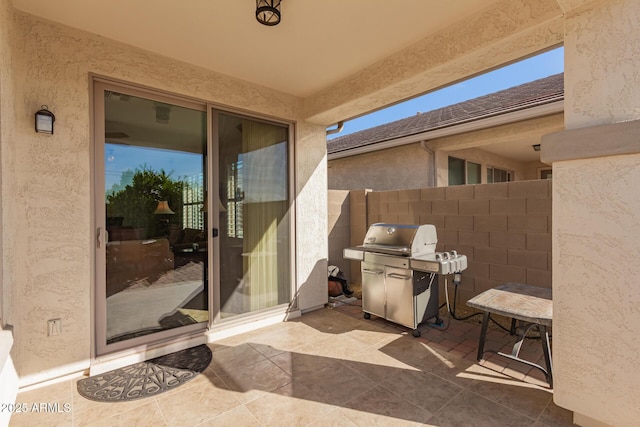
<point>400,307</point>
<point>373,290</point>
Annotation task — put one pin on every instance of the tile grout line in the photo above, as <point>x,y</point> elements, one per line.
<point>447,403</point>
<point>410,402</point>
<point>503,405</point>
<point>155,400</point>
<point>544,409</point>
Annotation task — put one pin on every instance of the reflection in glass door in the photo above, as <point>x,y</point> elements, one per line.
<point>155,249</point>
<point>254,213</point>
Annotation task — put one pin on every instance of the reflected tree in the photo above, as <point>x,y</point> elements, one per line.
<point>137,201</point>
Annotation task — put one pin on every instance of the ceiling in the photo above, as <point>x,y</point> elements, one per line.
<point>520,150</point>
<point>327,39</point>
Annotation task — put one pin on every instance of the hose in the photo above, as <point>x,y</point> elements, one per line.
<point>452,313</point>
<point>455,299</point>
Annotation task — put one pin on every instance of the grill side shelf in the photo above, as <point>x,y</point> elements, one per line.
<point>425,265</point>
<point>356,254</point>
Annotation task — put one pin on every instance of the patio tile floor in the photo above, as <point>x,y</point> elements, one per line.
<point>333,367</point>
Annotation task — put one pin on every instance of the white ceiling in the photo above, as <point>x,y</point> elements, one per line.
<point>520,150</point>
<point>327,39</point>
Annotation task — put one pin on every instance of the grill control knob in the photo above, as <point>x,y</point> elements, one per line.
<point>391,230</point>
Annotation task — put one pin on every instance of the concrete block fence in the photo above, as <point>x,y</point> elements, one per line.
<point>504,229</point>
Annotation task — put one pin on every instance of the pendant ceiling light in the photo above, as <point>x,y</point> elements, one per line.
<point>268,12</point>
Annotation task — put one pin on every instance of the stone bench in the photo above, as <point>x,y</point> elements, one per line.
<point>531,306</point>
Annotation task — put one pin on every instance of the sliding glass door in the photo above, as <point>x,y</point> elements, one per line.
<point>152,217</point>
<point>254,212</point>
<point>172,257</point>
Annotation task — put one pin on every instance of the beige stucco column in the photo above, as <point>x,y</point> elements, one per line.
<point>596,217</point>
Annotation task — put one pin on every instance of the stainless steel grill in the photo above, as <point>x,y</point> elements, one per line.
<point>399,266</point>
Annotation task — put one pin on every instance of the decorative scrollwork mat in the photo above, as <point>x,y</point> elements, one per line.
<point>147,378</point>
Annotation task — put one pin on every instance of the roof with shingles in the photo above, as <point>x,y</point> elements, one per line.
<point>527,95</point>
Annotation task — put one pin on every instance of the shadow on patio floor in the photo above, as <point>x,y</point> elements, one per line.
<point>331,367</point>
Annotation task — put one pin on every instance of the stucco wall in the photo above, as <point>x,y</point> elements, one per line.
<point>7,132</point>
<point>601,64</point>
<point>596,222</point>
<point>391,169</point>
<point>8,375</point>
<point>339,227</point>
<point>595,299</point>
<point>52,197</point>
<point>409,166</point>
<point>311,214</point>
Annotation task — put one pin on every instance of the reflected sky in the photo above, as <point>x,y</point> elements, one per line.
<point>120,158</point>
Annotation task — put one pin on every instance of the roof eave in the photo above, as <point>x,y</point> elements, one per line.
<point>477,124</point>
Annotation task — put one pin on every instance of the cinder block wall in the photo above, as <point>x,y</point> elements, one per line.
<point>504,229</point>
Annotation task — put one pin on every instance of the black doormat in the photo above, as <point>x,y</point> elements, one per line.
<point>147,378</point>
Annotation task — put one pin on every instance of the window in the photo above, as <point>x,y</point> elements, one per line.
<point>456,171</point>
<point>193,202</point>
<point>546,174</point>
<point>463,172</point>
<point>235,198</point>
<point>473,173</point>
<point>498,175</point>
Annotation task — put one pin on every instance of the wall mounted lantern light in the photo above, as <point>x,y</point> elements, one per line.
<point>268,12</point>
<point>44,120</point>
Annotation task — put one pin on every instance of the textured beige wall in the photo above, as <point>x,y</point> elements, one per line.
<point>596,292</point>
<point>339,227</point>
<point>311,215</point>
<point>407,166</point>
<point>51,197</point>
<point>8,374</point>
<point>7,163</point>
<point>596,223</point>
<point>601,64</point>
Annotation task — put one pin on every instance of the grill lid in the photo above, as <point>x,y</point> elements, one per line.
<point>399,239</point>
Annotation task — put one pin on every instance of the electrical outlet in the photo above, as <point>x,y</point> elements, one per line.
<point>54,327</point>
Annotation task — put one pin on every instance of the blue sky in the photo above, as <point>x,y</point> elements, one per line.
<point>537,67</point>
<point>120,158</point>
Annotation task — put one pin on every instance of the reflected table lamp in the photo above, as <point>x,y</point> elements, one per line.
<point>163,209</point>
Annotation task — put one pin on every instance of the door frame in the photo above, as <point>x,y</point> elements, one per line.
<point>99,348</point>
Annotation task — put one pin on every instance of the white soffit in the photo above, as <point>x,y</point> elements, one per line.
<point>317,44</point>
